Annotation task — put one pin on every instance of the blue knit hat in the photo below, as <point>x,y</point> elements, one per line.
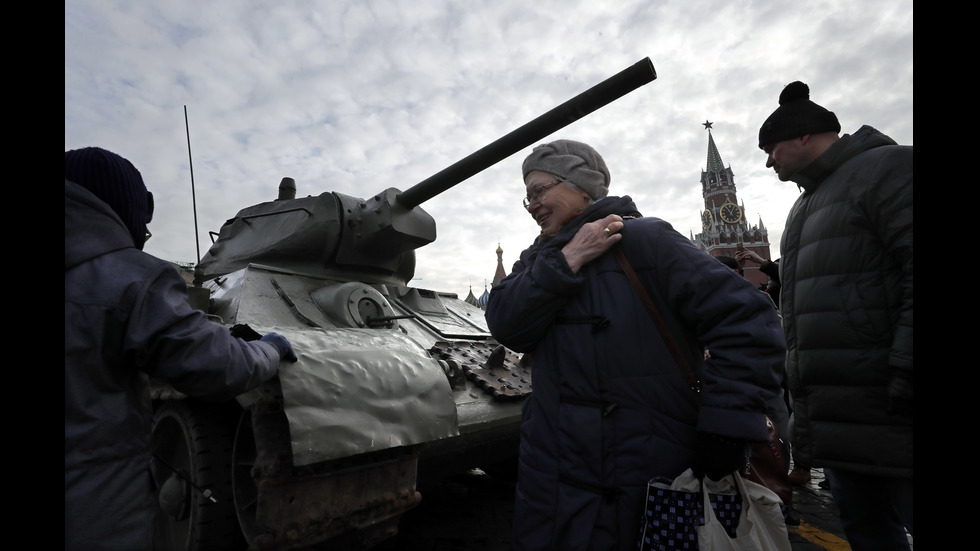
<point>796,116</point>
<point>117,182</point>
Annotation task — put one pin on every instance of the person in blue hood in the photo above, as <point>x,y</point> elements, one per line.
<point>611,406</point>
<point>127,318</point>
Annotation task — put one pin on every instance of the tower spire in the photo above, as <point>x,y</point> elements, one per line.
<point>714,158</point>
<point>500,274</point>
<point>723,220</point>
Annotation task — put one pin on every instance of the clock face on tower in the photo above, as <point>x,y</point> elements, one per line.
<point>706,219</point>
<point>730,213</point>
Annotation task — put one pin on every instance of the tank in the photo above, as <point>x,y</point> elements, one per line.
<point>395,385</point>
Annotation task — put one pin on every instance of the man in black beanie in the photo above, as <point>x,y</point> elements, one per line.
<point>846,303</point>
<point>127,319</point>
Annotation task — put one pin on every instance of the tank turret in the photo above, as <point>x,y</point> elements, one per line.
<point>375,239</point>
<point>394,385</point>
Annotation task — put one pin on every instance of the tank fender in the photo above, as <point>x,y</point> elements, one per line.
<point>361,390</point>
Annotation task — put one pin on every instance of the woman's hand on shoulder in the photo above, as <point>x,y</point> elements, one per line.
<point>592,240</point>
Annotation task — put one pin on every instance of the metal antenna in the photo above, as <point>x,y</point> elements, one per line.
<point>190,160</point>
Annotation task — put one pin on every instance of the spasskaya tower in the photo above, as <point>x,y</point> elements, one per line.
<point>723,221</point>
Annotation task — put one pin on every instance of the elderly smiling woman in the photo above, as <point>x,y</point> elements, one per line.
<point>611,408</point>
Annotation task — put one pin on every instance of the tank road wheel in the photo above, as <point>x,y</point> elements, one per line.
<point>192,444</point>
<point>244,487</point>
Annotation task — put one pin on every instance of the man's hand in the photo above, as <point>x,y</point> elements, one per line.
<point>742,256</point>
<point>282,345</point>
<point>716,456</point>
<point>900,392</point>
<point>244,332</point>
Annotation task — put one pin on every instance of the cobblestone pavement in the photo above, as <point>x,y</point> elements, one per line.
<point>472,512</point>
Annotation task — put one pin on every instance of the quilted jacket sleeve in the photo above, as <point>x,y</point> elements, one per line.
<point>707,305</point>
<point>168,339</point>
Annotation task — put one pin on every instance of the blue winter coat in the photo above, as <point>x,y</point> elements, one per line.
<point>611,408</point>
<point>127,318</point>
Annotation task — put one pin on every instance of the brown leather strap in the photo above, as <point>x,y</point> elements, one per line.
<point>657,319</point>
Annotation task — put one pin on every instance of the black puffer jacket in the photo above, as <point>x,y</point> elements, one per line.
<point>846,274</point>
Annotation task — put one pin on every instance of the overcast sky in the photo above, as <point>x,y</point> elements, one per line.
<point>359,96</point>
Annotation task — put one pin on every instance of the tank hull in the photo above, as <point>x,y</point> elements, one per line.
<point>334,448</point>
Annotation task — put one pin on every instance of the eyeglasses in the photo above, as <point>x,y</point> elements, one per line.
<point>537,193</point>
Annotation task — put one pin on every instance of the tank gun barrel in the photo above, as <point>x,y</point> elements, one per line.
<point>375,238</point>
<point>581,105</point>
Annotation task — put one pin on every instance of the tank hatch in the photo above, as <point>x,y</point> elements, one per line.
<point>355,304</point>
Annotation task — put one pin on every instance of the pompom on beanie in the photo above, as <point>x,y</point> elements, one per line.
<point>796,116</point>
<point>571,161</point>
<point>117,182</point>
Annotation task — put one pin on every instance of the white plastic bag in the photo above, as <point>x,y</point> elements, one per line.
<point>687,482</point>
<point>760,527</point>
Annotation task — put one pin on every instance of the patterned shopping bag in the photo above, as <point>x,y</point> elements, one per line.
<point>674,509</point>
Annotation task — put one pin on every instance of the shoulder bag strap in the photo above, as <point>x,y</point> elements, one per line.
<point>657,319</point>
<point>766,464</point>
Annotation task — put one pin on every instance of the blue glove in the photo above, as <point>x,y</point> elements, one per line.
<point>282,345</point>
<point>716,456</point>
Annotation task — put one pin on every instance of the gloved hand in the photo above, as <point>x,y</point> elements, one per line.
<point>900,392</point>
<point>282,345</point>
<point>244,332</point>
<point>716,456</point>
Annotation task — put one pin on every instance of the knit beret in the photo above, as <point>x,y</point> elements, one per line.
<point>796,116</point>
<point>571,161</point>
<point>117,182</point>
